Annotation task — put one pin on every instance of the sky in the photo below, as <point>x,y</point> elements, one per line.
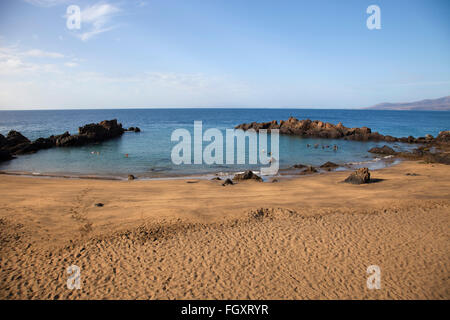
<point>221,53</point>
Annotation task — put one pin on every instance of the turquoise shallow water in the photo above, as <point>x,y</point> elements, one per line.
<point>150,151</point>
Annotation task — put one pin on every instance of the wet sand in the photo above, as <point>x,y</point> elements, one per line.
<point>311,237</point>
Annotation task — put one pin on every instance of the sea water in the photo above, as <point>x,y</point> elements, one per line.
<point>149,152</point>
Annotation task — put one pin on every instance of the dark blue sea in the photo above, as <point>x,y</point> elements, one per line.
<point>149,152</point>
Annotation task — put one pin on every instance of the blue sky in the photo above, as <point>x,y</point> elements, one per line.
<point>230,53</point>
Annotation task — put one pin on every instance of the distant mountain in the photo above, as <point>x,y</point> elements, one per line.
<point>441,104</point>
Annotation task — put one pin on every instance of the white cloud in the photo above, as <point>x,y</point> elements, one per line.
<point>98,14</point>
<point>99,90</point>
<point>95,19</point>
<point>88,35</point>
<point>13,62</point>
<point>43,54</point>
<point>71,64</point>
<point>98,18</point>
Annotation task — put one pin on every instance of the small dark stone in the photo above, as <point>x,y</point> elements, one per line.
<point>131,177</point>
<point>247,175</point>
<point>134,129</point>
<point>308,170</point>
<point>227,182</point>
<point>329,164</point>
<point>99,204</point>
<point>360,176</point>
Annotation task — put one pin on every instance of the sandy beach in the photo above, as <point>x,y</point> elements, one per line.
<point>310,237</point>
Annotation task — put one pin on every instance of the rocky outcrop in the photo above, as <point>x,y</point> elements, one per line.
<point>3,140</point>
<point>443,136</point>
<point>247,175</point>
<point>383,150</point>
<point>16,144</point>
<point>360,176</point>
<point>326,130</point>
<point>133,129</point>
<point>436,149</point>
<point>5,155</point>
<point>314,129</point>
<point>93,132</point>
<point>443,158</point>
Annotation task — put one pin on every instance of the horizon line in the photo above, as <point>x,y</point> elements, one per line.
<point>178,107</point>
<point>206,108</point>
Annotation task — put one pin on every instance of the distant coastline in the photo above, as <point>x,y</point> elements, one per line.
<point>440,104</point>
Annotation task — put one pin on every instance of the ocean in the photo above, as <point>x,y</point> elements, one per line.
<point>149,152</point>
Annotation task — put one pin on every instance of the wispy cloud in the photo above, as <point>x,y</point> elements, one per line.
<point>95,19</point>
<point>92,89</point>
<point>71,64</point>
<point>98,18</point>
<point>11,64</point>
<point>142,4</point>
<point>85,36</point>
<point>14,61</point>
<point>43,54</point>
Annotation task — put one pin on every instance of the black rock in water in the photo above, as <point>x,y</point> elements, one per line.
<point>383,150</point>
<point>16,144</point>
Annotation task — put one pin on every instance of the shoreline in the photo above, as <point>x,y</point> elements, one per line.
<point>386,161</point>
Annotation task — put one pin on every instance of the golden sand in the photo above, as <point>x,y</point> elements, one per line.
<point>311,237</point>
